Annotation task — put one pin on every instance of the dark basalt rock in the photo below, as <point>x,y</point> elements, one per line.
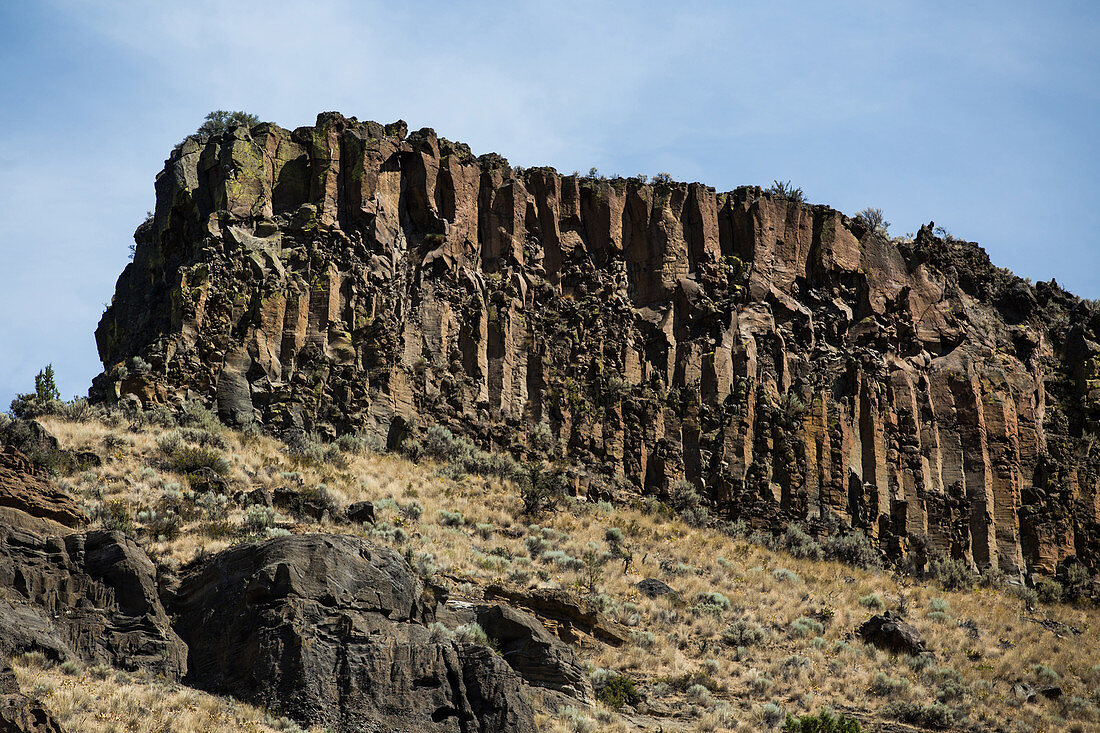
<point>889,632</point>
<point>331,630</point>
<point>539,656</point>
<point>653,588</point>
<point>89,596</point>
<point>360,511</point>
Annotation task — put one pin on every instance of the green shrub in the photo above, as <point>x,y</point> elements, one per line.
<point>786,576</point>
<point>221,120</point>
<point>258,519</point>
<point>542,489</point>
<point>192,458</point>
<point>471,633</point>
<point>800,544</point>
<point>618,690</point>
<point>784,189</point>
<point>711,602</point>
<point>854,549</point>
<point>937,715</point>
<point>451,519</point>
<point>951,574</point>
<point>803,627</point>
<point>1049,590</point>
<point>887,686</point>
<point>744,632</point>
<point>823,722</point>
<point>873,601</point>
<point>687,502</point>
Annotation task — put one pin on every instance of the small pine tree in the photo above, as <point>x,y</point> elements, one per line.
<point>45,389</point>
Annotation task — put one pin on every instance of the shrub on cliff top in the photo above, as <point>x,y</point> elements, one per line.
<point>221,120</point>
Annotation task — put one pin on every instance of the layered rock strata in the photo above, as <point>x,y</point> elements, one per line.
<point>780,357</point>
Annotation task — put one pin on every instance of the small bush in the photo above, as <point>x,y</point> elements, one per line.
<point>743,632</point>
<point>575,720</point>
<point>873,601</point>
<point>685,500</point>
<point>800,544</point>
<point>786,576</point>
<point>471,633</point>
<point>1044,674</point>
<point>1049,590</point>
<point>803,627</point>
<point>874,221</point>
<point>951,574</point>
<point>887,686</point>
<point>542,489</point>
<point>770,714</point>
<point>451,519</point>
<point>190,458</point>
<point>823,722</point>
<point>854,549</point>
<point>784,189</point>
<point>221,120</point>
<point>937,715</point>
<point>258,519</point>
<point>618,690</point>
<point>711,602</point>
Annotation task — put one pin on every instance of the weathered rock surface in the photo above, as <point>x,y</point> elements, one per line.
<point>567,615</point>
<point>780,357</point>
<point>23,488</point>
<point>91,597</point>
<point>891,633</point>
<point>539,657</point>
<point>331,630</point>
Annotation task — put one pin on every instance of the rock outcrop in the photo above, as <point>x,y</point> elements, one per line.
<point>332,631</point>
<point>784,359</point>
<point>22,488</point>
<point>91,597</point>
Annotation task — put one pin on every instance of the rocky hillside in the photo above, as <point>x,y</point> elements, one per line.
<point>780,358</point>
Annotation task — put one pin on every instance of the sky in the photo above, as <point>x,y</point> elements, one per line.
<point>981,116</point>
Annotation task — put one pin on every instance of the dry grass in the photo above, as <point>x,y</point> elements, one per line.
<point>691,674</point>
<point>110,701</point>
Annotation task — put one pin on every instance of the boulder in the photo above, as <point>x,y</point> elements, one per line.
<point>360,511</point>
<point>301,505</point>
<point>540,657</point>
<point>653,588</point>
<point>331,630</point>
<point>889,632</point>
<point>88,596</point>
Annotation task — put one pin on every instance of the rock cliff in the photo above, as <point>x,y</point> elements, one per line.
<point>788,363</point>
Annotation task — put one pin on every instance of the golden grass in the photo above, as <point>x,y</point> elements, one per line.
<point>674,640</point>
<point>109,701</point>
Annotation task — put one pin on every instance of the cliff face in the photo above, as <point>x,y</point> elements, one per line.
<point>780,357</point>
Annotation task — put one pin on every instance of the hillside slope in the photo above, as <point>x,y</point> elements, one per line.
<point>743,634</point>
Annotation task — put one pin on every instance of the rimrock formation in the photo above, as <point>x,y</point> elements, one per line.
<point>780,357</point>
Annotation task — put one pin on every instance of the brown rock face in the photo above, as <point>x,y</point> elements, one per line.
<point>787,362</point>
<point>23,489</point>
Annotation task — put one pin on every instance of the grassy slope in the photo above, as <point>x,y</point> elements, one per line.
<point>691,676</point>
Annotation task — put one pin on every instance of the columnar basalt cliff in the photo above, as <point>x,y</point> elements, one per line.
<point>780,357</point>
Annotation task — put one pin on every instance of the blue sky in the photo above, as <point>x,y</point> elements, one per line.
<point>982,116</point>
